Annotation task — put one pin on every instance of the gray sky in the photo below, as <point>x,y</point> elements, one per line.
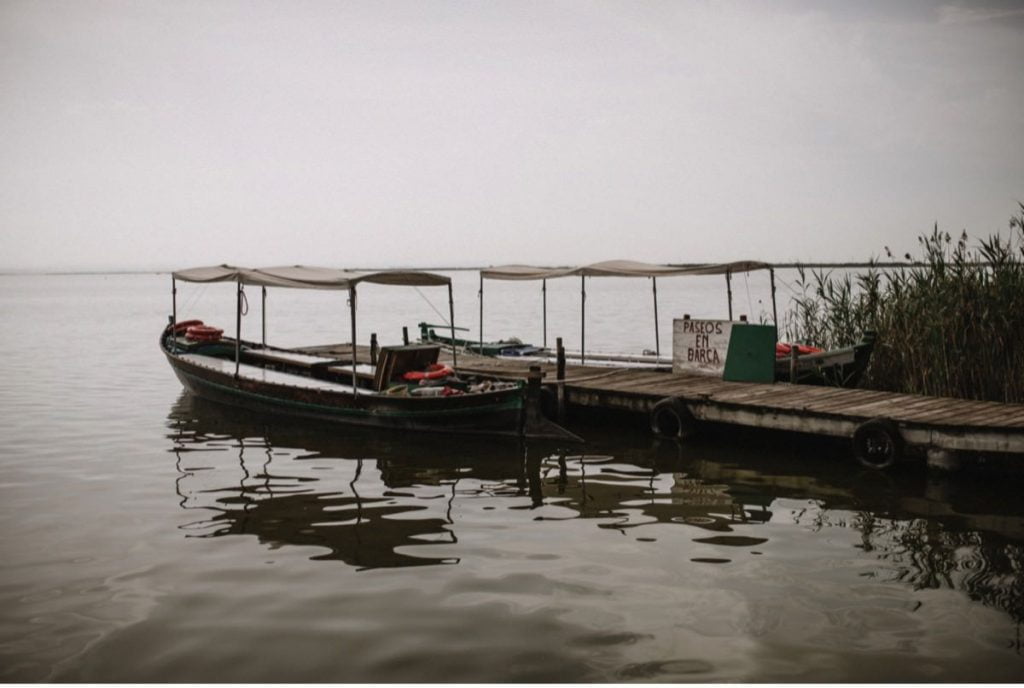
<point>170,134</point>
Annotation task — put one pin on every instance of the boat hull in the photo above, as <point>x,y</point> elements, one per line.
<point>498,412</point>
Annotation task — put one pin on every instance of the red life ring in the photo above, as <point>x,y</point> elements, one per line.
<point>783,349</point>
<point>203,333</point>
<point>185,324</point>
<point>434,371</point>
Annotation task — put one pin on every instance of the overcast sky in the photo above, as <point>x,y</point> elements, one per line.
<point>425,133</point>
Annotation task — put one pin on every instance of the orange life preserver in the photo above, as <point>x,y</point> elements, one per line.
<point>203,333</point>
<point>783,349</point>
<point>185,324</point>
<point>434,371</point>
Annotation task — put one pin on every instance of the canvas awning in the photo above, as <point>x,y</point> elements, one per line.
<point>619,268</point>
<point>307,277</point>
<point>616,268</point>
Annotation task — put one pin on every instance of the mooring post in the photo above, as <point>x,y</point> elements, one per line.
<point>405,335</point>
<point>775,315</point>
<point>560,379</point>
<point>373,348</point>
<point>793,354</point>
<point>263,316</point>
<point>533,379</point>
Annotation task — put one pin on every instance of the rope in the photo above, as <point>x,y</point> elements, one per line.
<point>245,302</point>
<point>439,313</point>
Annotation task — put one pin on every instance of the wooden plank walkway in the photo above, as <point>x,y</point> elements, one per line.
<point>955,424</point>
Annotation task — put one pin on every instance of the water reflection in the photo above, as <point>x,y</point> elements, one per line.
<point>375,501</point>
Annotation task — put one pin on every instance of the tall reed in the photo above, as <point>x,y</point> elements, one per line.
<point>951,326</point>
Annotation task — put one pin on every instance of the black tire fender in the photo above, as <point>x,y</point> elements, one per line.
<point>877,443</point>
<point>671,418</point>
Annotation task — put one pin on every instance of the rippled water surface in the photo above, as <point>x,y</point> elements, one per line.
<point>150,536</point>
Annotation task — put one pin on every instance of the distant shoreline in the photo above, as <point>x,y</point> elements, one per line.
<point>778,266</point>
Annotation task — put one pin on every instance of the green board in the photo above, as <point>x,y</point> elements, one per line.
<point>751,356</point>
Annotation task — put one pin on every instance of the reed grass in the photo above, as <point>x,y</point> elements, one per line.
<point>951,326</point>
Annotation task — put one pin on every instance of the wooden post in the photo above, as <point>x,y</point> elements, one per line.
<point>238,325</point>
<point>560,360</point>
<point>405,335</point>
<point>263,315</point>
<point>793,354</point>
<point>657,336</point>
<point>480,294</point>
<point>544,299</point>
<point>775,315</point>
<point>373,348</point>
<point>533,414</point>
<point>728,288</point>
<point>352,311</point>
<point>743,317</point>
<point>583,319</point>
<point>560,377</point>
<point>451,319</point>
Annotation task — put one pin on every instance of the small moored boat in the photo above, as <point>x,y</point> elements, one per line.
<point>405,387</point>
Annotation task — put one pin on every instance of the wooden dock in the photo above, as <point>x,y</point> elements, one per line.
<point>925,422</point>
<point>922,422</point>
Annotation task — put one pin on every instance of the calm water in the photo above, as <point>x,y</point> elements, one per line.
<point>149,536</point>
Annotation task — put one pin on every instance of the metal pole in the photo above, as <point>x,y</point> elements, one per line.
<point>451,319</point>
<point>238,325</point>
<point>263,314</point>
<point>728,287</point>
<point>174,313</point>
<point>775,315</point>
<point>352,310</point>
<point>481,295</point>
<point>544,295</point>
<point>583,319</point>
<point>657,337</point>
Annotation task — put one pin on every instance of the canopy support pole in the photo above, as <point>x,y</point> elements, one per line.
<point>657,337</point>
<point>481,295</point>
<point>352,311</point>
<point>544,299</point>
<point>583,319</point>
<point>451,319</point>
<point>263,314</point>
<point>238,326</point>
<point>728,287</point>
<point>174,313</point>
<point>775,314</point>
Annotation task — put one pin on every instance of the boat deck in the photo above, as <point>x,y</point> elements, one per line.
<point>252,372</point>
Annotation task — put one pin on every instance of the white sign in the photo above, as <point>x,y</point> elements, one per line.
<point>700,346</point>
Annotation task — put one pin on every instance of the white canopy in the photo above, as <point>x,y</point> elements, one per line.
<point>306,277</point>
<point>618,268</point>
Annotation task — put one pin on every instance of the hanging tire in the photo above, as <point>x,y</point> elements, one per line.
<point>671,418</point>
<point>877,443</point>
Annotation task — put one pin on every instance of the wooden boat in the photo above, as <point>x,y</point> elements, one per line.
<point>841,367</point>
<point>405,388</point>
<point>506,347</point>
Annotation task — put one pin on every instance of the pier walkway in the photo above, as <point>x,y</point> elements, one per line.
<point>922,421</point>
<point>954,424</point>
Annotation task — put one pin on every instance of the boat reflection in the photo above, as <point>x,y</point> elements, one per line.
<point>373,500</point>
